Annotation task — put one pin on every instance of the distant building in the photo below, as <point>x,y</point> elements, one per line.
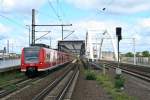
<point>2,52</point>
<point>4,55</point>
<point>108,55</point>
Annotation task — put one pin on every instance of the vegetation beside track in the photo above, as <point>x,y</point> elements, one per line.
<point>90,75</point>
<point>109,85</point>
<point>10,78</point>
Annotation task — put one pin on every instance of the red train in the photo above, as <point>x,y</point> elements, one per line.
<point>35,59</point>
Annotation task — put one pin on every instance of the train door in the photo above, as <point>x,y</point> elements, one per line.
<point>51,58</point>
<point>56,58</point>
<point>49,53</point>
<point>62,56</point>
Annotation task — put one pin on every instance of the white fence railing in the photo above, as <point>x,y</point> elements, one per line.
<point>139,60</point>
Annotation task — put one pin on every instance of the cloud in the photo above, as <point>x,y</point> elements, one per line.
<point>145,23</point>
<point>129,31</point>
<point>4,31</point>
<point>20,6</point>
<point>17,39</point>
<point>113,6</point>
<point>100,25</point>
<point>88,4</point>
<point>144,26</point>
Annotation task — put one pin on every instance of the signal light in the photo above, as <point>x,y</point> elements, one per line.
<point>118,33</point>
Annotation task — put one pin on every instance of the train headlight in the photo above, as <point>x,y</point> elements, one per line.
<point>41,63</point>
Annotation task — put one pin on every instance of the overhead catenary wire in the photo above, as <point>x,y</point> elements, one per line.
<point>9,19</point>
<point>63,13</point>
<point>107,5</point>
<point>45,14</point>
<point>54,10</point>
<point>57,6</point>
<point>13,21</point>
<point>60,9</point>
<point>1,3</point>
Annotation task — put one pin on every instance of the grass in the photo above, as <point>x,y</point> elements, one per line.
<point>110,87</point>
<point>90,75</point>
<point>11,87</point>
<point>119,81</point>
<point>7,78</point>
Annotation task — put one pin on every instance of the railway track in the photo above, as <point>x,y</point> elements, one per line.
<point>58,88</point>
<point>30,91</point>
<point>142,74</point>
<point>19,84</point>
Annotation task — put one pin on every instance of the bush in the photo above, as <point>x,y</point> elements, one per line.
<point>109,86</point>
<point>90,75</point>
<point>119,81</point>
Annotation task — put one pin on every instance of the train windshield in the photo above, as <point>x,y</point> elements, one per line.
<point>31,55</point>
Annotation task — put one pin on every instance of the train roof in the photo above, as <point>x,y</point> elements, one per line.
<point>40,45</point>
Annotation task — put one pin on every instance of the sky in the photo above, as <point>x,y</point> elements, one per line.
<point>84,15</point>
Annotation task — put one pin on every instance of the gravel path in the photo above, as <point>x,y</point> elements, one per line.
<point>88,90</point>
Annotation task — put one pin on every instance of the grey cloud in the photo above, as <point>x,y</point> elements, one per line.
<point>113,6</point>
<point>2,37</point>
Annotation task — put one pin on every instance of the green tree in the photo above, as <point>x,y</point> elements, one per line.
<point>145,54</point>
<point>129,54</point>
<point>138,54</point>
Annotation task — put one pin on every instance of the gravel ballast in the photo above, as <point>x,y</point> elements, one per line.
<point>88,90</point>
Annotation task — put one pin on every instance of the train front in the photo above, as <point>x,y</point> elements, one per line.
<point>30,60</point>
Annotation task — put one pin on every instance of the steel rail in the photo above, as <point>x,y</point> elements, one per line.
<point>50,87</point>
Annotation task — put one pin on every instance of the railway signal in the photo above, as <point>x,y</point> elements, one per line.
<point>119,37</point>
<point>118,33</point>
<point>119,80</point>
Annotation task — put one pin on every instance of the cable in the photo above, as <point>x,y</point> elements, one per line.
<point>43,13</point>
<point>63,14</point>
<point>59,10</point>
<point>69,34</point>
<point>110,2</point>
<point>58,7</point>
<point>106,6</point>
<point>1,3</point>
<point>20,25</point>
<point>50,4</point>
<point>9,19</point>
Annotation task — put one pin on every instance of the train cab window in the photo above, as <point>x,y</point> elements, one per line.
<point>31,55</point>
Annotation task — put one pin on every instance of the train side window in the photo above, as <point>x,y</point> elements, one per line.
<point>54,57</point>
<point>47,57</point>
<point>62,58</point>
<point>51,59</point>
<point>59,57</point>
